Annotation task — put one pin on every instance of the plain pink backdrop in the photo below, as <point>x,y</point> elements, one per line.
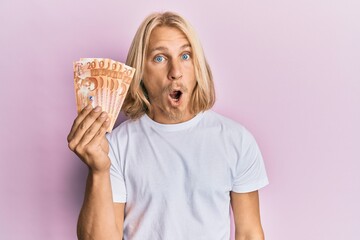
<point>287,70</point>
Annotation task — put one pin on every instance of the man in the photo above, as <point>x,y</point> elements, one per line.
<point>174,169</point>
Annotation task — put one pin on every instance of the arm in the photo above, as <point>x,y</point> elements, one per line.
<point>247,216</point>
<point>100,218</point>
<point>97,220</point>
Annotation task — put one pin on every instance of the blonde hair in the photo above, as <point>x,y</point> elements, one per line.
<point>136,102</point>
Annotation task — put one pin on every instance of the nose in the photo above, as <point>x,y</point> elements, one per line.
<point>175,72</point>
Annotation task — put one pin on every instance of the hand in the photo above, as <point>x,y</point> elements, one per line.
<point>87,138</point>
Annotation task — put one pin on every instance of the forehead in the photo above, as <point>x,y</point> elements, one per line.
<point>167,37</point>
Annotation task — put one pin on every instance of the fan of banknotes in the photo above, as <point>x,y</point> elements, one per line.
<point>102,82</point>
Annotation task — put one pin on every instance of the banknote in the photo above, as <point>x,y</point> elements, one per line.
<point>126,75</point>
<point>102,82</point>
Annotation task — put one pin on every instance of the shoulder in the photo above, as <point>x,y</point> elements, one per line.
<point>226,125</point>
<point>124,129</point>
<point>215,119</point>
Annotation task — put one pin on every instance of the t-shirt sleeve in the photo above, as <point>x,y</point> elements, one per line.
<point>116,170</point>
<point>249,174</point>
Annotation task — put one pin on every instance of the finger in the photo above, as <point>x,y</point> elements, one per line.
<point>96,140</point>
<point>84,112</point>
<point>97,146</point>
<point>83,127</point>
<point>94,129</point>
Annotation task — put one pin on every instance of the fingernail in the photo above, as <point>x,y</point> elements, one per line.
<point>88,106</point>
<point>103,114</point>
<point>97,109</point>
<point>108,119</point>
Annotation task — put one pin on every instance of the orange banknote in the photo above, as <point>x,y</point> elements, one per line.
<point>102,82</point>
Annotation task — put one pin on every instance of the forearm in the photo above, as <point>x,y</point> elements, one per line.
<point>97,215</point>
<point>259,235</point>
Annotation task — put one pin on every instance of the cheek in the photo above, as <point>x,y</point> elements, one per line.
<point>155,74</point>
<point>149,87</point>
<point>149,77</point>
<point>152,85</point>
<point>188,67</point>
<point>190,72</point>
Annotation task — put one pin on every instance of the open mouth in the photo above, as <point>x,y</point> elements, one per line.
<point>176,95</point>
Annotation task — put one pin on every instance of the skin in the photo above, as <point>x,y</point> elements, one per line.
<point>246,211</point>
<point>97,219</point>
<point>168,67</point>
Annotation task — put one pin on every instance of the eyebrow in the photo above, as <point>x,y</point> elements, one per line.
<point>166,49</point>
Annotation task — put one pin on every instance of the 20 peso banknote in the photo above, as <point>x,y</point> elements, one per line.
<point>102,82</point>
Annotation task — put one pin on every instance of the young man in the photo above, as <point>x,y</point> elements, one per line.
<point>174,169</point>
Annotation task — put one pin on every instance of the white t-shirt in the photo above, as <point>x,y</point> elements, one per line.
<point>176,178</point>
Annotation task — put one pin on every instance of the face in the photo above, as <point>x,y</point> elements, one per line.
<point>169,75</point>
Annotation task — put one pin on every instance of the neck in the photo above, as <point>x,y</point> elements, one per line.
<point>172,118</point>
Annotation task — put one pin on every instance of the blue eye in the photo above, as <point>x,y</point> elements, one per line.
<point>159,59</point>
<point>185,56</point>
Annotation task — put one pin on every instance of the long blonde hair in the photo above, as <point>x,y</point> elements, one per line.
<point>136,102</point>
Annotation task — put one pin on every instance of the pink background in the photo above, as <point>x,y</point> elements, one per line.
<point>287,70</point>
